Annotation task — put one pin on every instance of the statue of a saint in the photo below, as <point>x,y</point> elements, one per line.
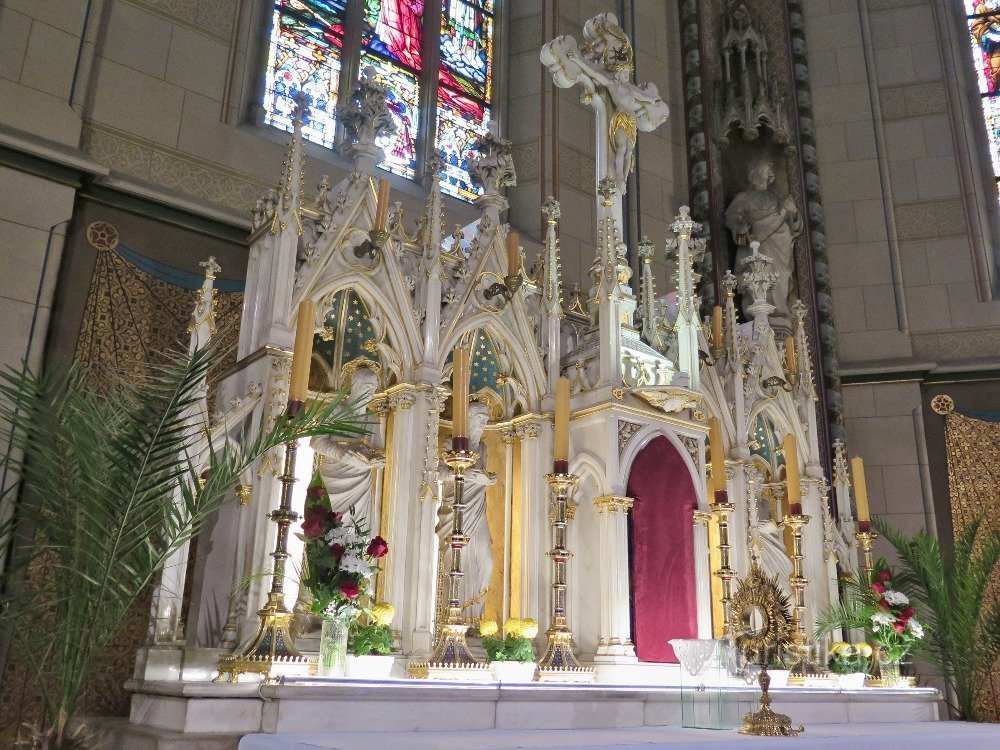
<point>760,214</point>
<point>477,557</point>
<point>348,465</point>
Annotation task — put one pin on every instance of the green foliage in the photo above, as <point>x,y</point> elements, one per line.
<point>373,638</point>
<point>964,638</point>
<point>114,484</point>
<point>511,648</point>
<point>848,661</point>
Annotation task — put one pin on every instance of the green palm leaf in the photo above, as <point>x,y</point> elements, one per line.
<point>112,487</point>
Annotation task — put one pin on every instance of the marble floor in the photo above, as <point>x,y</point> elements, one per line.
<point>942,735</point>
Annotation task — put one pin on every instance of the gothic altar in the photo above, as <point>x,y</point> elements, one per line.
<point>656,529</point>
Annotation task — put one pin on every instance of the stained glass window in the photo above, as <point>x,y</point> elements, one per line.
<point>984,32</point>
<point>307,53</point>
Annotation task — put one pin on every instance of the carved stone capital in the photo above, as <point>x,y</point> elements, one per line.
<point>613,504</point>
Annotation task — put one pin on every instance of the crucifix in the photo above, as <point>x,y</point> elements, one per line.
<point>604,66</point>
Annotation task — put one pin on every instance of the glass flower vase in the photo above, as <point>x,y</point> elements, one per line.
<point>889,669</point>
<point>333,646</point>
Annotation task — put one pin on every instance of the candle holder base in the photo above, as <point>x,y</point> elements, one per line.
<point>559,664</point>
<point>451,659</point>
<point>271,649</point>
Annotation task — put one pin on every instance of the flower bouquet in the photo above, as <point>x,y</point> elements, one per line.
<point>511,655</point>
<point>885,613</point>
<point>369,645</point>
<point>339,572</point>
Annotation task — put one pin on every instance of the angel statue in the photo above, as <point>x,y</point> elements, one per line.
<point>477,557</point>
<point>348,466</point>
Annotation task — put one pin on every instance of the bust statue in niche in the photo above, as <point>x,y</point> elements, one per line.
<point>760,214</point>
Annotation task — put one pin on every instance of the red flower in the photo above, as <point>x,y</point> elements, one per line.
<point>884,576</point>
<point>337,551</point>
<point>878,588</point>
<point>378,547</point>
<point>312,525</point>
<point>316,493</point>
<point>334,518</point>
<point>899,626</point>
<point>883,604</point>
<point>907,612</point>
<point>349,588</point>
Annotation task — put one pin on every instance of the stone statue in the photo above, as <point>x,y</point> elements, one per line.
<point>477,557</point>
<point>348,465</point>
<point>603,65</point>
<point>760,214</point>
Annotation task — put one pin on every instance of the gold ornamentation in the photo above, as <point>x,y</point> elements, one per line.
<point>761,624</point>
<point>559,663</point>
<point>243,493</point>
<point>102,235</point>
<point>626,431</point>
<point>618,394</point>
<point>943,404</point>
<point>613,504</point>
<point>452,659</point>
<point>973,447</point>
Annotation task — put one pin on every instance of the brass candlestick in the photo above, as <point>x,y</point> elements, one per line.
<point>800,646</point>
<point>451,659</point>
<point>866,539</point>
<point>721,509</point>
<point>559,664</point>
<point>273,644</point>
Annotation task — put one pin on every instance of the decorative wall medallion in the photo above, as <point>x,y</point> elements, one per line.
<point>102,236</point>
<point>943,404</point>
<point>626,431</point>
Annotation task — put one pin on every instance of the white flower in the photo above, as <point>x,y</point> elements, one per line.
<point>916,628</point>
<point>882,620</point>
<point>896,597</point>
<point>351,563</point>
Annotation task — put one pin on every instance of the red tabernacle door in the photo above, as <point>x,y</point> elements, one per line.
<point>661,536</point>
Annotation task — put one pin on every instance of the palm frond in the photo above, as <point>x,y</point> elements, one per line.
<point>113,482</point>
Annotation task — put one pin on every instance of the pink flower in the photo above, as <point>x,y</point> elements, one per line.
<point>907,612</point>
<point>312,525</point>
<point>878,588</point>
<point>883,604</point>
<point>378,547</point>
<point>337,551</point>
<point>899,626</point>
<point>349,588</point>
<point>316,493</point>
<point>884,576</point>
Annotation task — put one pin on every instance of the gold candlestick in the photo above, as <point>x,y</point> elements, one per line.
<point>800,646</point>
<point>273,644</point>
<point>451,659</point>
<point>721,509</point>
<point>559,664</point>
<point>865,540</point>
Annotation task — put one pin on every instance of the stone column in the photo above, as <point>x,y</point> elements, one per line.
<point>413,576</point>
<point>615,645</point>
<point>702,573</point>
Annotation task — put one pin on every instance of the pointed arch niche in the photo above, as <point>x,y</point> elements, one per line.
<point>661,551</point>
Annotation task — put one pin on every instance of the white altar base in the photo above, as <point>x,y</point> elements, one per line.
<point>211,716</point>
<point>822,736</point>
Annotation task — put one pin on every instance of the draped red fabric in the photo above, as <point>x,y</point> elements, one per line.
<point>662,540</point>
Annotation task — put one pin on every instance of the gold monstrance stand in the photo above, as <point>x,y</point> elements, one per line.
<point>273,644</point>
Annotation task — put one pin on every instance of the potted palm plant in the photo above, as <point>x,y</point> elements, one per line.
<point>511,654</point>
<point>369,644</point>
<point>115,481</point>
